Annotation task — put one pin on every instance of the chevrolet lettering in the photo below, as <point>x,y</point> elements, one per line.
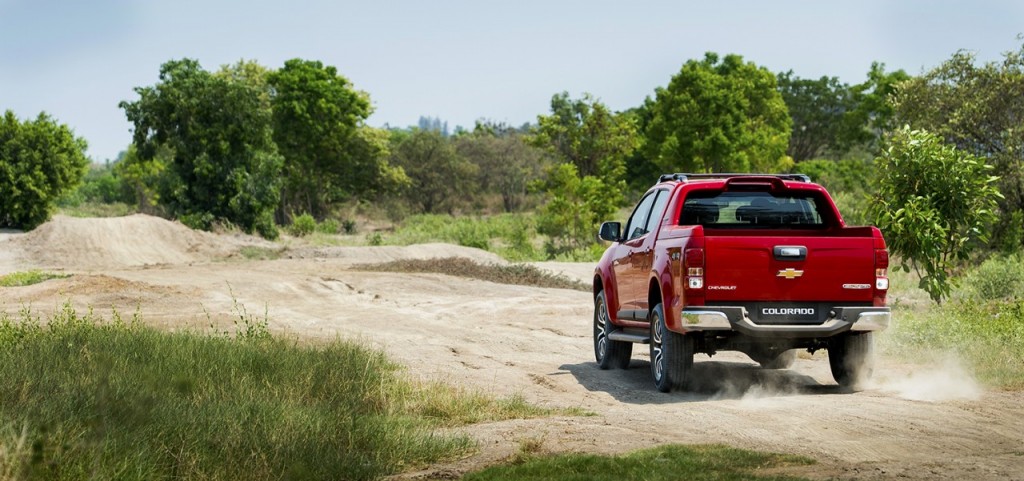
<point>758,263</point>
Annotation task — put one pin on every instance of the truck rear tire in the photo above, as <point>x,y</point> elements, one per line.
<point>671,353</point>
<point>851,357</point>
<point>609,354</point>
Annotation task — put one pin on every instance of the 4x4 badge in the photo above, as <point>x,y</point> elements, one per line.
<point>790,273</point>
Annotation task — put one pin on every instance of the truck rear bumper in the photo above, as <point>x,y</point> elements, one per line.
<point>735,318</point>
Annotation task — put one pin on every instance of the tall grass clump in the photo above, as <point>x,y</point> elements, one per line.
<point>27,278</point>
<point>697,463</point>
<point>104,399</point>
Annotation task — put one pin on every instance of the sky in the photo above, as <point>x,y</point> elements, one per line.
<point>464,60</point>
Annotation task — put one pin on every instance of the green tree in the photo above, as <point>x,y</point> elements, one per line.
<point>143,178</point>
<point>318,127</point>
<point>216,130</point>
<point>817,108</point>
<point>506,163</point>
<point>595,142</point>
<point>978,109</point>
<point>587,134</point>
<point>575,207</point>
<point>40,161</point>
<point>873,114</point>
<point>719,115</point>
<point>440,179</point>
<point>934,204</point>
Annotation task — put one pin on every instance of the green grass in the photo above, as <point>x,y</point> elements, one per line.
<point>673,462</point>
<point>511,236</point>
<point>86,398</point>
<point>518,274</point>
<point>27,278</point>
<point>982,323</point>
<point>98,209</point>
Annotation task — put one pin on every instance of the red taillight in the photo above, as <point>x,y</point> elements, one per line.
<point>694,268</point>
<point>881,269</point>
<point>881,276</point>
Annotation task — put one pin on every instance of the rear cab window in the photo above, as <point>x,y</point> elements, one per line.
<point>783,209</point>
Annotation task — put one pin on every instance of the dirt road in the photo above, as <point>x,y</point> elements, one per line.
<point>915,422</point>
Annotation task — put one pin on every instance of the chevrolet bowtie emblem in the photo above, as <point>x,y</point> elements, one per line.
<point>790,273</point>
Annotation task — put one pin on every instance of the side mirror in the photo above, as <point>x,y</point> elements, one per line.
<point>611,231</point>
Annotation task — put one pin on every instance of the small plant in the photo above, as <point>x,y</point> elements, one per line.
<point>375,239</point>
<point>302,225</point>
<point>349,226</point>
<point>328,226</point>
<point>27,278</point>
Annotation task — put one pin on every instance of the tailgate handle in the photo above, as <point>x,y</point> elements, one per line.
<point>790,253</point>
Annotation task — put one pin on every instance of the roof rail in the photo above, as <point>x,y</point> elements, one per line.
<point>683,177</point>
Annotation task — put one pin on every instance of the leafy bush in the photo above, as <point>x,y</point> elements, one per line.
<point>935,203</point>
<point>999,277</point>
<point>349,226</point>
<point>328,226</point>
<point>40,161</point>
<point>302,225</point>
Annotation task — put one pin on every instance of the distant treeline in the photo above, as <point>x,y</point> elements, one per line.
<point>253,147</point>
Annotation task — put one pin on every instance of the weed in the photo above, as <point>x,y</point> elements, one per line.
<point>27,278</point>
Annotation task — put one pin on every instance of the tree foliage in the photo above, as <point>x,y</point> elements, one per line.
<point>40,160</point>
<point>818,109</point>
<point>591,144</point>
<point>934,204</point>
<point>719,115</point>
<point>587,134</point>
<point>329,154</point>
<point>440,178</point>
<point>216,130</point>
<point>506,163</point>
<point>576,206</point>
<point>977,108</point>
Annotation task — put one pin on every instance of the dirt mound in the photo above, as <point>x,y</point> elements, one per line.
<point>136,240</point>
<point>381,254</point>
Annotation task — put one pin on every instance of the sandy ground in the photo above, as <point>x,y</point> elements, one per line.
<point>914,422</point>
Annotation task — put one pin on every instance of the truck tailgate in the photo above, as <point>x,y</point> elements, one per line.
<point>764,268</point>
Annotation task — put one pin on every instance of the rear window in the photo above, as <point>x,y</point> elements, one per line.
<point>754,210</point>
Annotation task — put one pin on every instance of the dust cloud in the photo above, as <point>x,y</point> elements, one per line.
<point>944,380</point>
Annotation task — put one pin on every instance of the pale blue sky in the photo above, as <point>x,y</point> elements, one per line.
<point>464,60</point>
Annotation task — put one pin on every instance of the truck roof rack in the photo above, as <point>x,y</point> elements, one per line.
<point>683,177</point>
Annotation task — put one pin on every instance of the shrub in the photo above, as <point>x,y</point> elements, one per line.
<point>999,277</point>
<point>328,226</point>
<point>302,225</point>
<point>40,161</point>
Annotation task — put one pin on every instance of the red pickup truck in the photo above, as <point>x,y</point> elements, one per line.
<point>762,264</point>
